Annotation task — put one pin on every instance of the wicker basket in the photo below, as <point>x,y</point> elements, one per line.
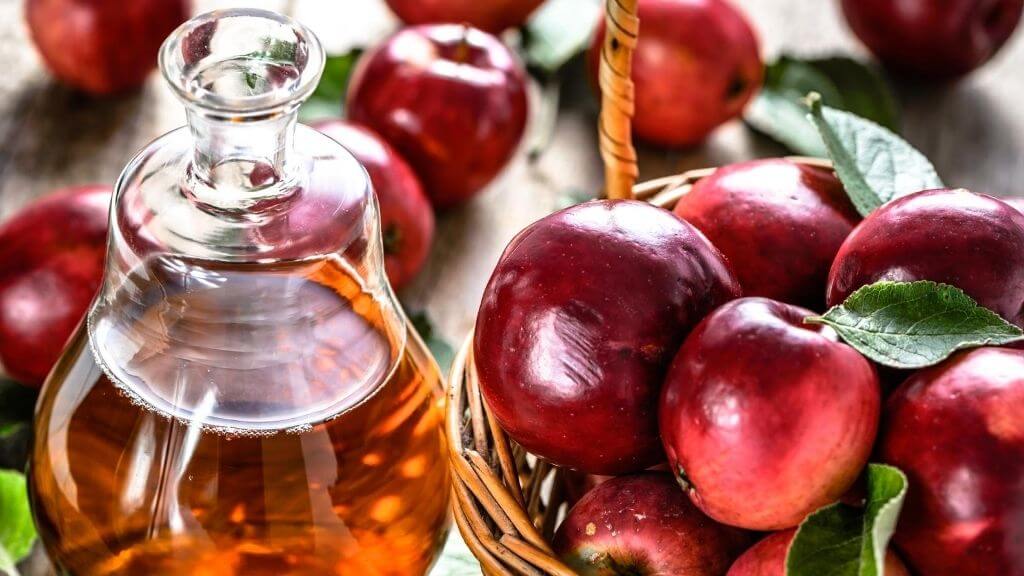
<point>507,503</point>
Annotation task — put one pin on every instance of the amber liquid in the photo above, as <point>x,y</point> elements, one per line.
<point>231,479</point>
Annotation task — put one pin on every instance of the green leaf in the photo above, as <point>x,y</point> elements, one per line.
<point>915,324</point>
<point>783,118</point>
<point>328,100</point>
<point>863,90</point>
<point>843,540</point>
<point>844,83</point>
<point>558,31</point>
<point>875,165</point>
<point>16,529</point>
<point>442,350</point>
<point>457,559</point>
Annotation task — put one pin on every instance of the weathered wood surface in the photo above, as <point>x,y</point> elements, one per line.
<point>52,137</point>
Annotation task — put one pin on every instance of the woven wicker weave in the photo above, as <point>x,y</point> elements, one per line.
<point>507,503</point>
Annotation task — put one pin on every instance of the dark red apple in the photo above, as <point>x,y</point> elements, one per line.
<point>957,431</point>
<point>765,419</point>
<point>579,322</point>
<point>778,222</point>
<point>643,524</point>
<point>490,15</point>
<point>103,46</point>
<point>51,264</point>
<point>696,65</point>
<point>933,38</point>
<point>451,99</point>
<point>406,218</point>
<point>768,558</point>
<point>972,241</point>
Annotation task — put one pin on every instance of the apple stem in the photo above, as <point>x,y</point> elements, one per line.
<point>462,49</point>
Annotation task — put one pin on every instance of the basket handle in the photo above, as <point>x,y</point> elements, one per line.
<point>617,98</point>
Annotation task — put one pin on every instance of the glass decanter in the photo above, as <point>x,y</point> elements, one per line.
<point>245,396</point>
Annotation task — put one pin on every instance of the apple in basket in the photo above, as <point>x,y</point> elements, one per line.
<point>643,524</point>
<point>779,222</point>
<point>768,558</point>
<point>972,241</point>
<point>755,400</point>
<point>957,432</point>
<point>579,322</point>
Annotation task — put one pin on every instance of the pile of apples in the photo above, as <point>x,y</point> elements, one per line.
<point>436,111</point>
<point>615,337</point>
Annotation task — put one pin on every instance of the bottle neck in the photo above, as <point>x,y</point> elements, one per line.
<point>240,162</point>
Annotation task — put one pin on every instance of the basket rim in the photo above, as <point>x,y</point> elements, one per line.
<point>502,518</point>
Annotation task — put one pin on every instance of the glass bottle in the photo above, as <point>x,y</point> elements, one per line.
<point>245,396</point>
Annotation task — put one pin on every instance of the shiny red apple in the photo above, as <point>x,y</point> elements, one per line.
<point>451,99</point>
<point>51,264</point>
<point>406,218</point>
<point>957,431</point>
<point>643,524</point>
<point>579,322</point>
<point>933,38</point>
<point>972,241</point>
<point>768,558</point>
<point>490,15</point>
<point>765,418</point>
<point>778,222</point>
<point>696,66</point>
<point>103,46</point>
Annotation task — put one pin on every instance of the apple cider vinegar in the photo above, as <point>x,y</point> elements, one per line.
<point>246,396</point>
<point>242,443</point>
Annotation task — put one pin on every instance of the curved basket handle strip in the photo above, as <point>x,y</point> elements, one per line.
<point>617,98</point>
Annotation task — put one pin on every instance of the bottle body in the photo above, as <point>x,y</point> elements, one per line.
<point>333,462</point>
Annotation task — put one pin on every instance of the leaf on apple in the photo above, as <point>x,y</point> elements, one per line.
<point>16,529</point>
<point>558,32</point>
<point>874,164</point>
<point>440,348</point>
<point>915,324</point>
<point>843,82</point>
<point>844,540</point>
<point>328,100</point>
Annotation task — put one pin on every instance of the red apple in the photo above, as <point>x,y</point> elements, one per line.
<point>956,430</point>
<point>451,99</point>
<point>765,419</point>
<point>933,38</point>
<point>51,264</point>
<point>768,558</point>
<point>643,524</point>
<point>696,66</point>
<point>971,241</point>
<point>490,15</point>
<point>578,325</point>
<point>103,46</point>
<point>406,218</point>
<point>778,222</point>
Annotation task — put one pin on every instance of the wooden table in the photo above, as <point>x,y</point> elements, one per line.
<point>52,137</point>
